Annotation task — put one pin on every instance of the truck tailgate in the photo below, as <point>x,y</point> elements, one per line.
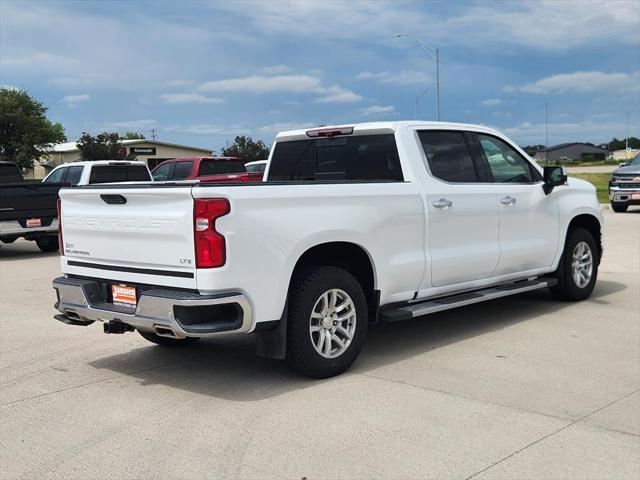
<point>138,235</point>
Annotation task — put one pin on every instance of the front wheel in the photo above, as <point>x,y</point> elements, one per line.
<point>327,322</point>
<point>47,244</point>
<point>578,268</point>
<point>619,207</point>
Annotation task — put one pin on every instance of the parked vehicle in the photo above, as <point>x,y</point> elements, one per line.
<point>205,169</point>
<point>624,185</point>
<point>259,166</point>
<point>28,209</point>
<point>355,224</point>
<point>100,171</point>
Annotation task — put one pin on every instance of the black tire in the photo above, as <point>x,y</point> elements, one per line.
<point>619,207</point>
<point>166,341</point>
<point>567,288</point>
<point>47,244</point>
<point>306,289</point>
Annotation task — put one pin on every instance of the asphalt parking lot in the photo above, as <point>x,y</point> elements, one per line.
<point>523,387</point>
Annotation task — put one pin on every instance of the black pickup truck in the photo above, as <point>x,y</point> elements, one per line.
<point>28,208</point>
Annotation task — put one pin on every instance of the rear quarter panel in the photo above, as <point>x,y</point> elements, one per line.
<point>271,226</point>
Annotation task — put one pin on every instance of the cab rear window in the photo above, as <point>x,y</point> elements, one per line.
<point>220,167</point>
<point>360,157</point>
<point>119,173</point>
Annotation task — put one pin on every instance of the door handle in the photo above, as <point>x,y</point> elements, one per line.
<point>442,203</point>
<point>508,200</point>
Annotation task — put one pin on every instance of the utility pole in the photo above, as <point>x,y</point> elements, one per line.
<point>626,140</point>
<point>153,134</point>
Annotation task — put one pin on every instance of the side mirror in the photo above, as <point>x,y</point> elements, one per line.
<point>623,164</point>
<point>552,177</point>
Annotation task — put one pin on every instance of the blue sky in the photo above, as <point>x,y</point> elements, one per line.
<point>202,72</point>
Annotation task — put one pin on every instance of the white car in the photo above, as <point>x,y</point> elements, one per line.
<point>100,171</point>
<point>354,224</point>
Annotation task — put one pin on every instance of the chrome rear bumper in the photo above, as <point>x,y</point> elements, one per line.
<point>169,313</point>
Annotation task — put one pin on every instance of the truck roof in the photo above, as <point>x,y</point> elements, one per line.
<point>103,162</point>
<point>381,127</point>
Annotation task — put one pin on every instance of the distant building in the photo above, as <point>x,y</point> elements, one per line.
<point>150,151</point>
<point>573,152</point>
<point>624,155</point>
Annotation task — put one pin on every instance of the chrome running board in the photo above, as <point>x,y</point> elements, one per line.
<point>406,312</point>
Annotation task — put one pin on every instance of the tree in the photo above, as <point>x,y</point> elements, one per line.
<point>532,149</point>
<point>25,131</point>
<point>133,136</point>
<point>247,149</point>
<point>104,146</point>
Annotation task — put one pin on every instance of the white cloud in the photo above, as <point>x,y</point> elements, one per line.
<point>177,83</point>
<point>559,132</point>
<point>133,124</point>
<point>406,77</point>
<point>73,100</point>
<point>260,84</point>
<point>175,98</point>
<point>283,126</point>
<point>275,70</point>
<point>336,94</point>
<point>378,110</point>
<point>546,24</point>
<point>207,129</point>
<point>491,102</point>
<point>582,82</point>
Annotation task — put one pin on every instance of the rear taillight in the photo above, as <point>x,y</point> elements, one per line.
<point>60,244</point>
<point>210,245</point>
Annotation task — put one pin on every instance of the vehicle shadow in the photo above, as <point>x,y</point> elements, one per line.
<point>22,250</point>
<point>230,369</point>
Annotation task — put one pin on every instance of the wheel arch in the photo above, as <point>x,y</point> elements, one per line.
<point>591,224</point>
<point>347,255</point>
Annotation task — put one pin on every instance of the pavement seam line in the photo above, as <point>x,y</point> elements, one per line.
<point>486,402</point>
<point>552,433</point>
<point>84,385</point>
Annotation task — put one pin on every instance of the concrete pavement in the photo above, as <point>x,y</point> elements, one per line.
<point>522,387</point>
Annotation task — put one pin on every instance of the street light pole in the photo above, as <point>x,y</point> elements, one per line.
<point>626,142</point>
<point>435,54</point>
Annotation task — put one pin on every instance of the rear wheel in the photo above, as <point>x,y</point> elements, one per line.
<point>327,322</point>
<point>47,244</point>
<point>619,207</point>
<point>578,268</point>
<point>166,341</point>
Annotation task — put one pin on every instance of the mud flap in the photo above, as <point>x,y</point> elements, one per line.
<point>273,343</point>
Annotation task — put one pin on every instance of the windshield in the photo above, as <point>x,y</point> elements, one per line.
<point>635,160</point>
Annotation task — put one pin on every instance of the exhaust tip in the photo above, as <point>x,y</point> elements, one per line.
<point>164,332</point>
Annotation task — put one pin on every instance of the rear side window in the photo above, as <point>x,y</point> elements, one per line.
<point>74,174</point>
<point>118,173</point>
<point>57,176</point>
<point>361,157</point>
<point>448,156</point>
<point>182,170</point>
<point>9,173</point>
<point>220,167</point>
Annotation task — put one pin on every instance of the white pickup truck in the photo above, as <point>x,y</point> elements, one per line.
<point>352,225</point>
